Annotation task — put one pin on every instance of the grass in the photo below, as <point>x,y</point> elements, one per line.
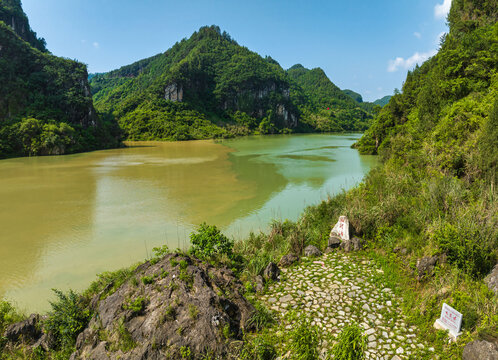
<point>351,344</point>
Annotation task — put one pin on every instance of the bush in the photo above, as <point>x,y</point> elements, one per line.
<point>69,316</point>
<point>208,241</point>
<point>351,344</point>
<point>465,247</point>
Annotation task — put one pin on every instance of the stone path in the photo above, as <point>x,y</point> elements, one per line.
<point>342,290</point>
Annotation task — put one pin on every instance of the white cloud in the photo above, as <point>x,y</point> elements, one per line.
<point>417,58</point>
<point>442,10</point>
<point>96,45</point>
<point>417,35</point>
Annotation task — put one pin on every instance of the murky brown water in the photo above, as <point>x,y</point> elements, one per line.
<point>64,219</point>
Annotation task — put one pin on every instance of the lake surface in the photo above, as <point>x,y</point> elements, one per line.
<point>63,219</point>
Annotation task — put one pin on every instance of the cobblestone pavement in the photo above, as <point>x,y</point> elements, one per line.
<point>336,289</point>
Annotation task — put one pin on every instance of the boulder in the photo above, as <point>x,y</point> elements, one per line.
<point>27,331</point>
<point>354,244</point>
<point>259,284</point>
<point>311,250</point>
<point>492,280</point>
<point>189,304</point>
<point>425,266</point>
<point>288,260</point>
<point>480,350</point>
<point>334,242</point>
<point>271,272</point>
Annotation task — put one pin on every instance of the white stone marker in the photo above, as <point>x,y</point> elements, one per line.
<point>450,320</point>
<point>341,229</point>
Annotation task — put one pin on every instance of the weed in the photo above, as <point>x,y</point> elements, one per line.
<point>351,344</point>
<point>193,311</point>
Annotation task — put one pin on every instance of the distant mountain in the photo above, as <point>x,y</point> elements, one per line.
<point>384,101</point>
<point>354,95</point>
<point>210,86</point>
<point>326,106</point>
<point>45,101</point>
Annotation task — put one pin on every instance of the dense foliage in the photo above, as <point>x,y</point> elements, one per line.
<point>45,101</point>
<point>226,90</point>
<point>326,107</point>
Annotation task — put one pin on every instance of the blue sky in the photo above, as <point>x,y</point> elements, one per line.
<point>366,46</point>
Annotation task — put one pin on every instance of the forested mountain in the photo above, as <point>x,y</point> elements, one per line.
<point>325,106</point>
<point>383,101</point>
<point>210,86</point>
<point>45,101</point>
<point>438,138</point>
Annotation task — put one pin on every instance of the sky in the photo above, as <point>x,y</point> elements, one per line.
<point>363,45</point>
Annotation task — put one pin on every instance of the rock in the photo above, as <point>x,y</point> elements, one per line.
<point>46,343</point>
<point>334,242</point>
<point>492,280</point>
<point>480,350</point>
<point>288,260</point>
<point>27,331</point>
<point>188,304</point>
<point>353,244</point>
<point>425,266</point>
<point>271,272</point>
<point>259,284</point>
<point>311,250</point>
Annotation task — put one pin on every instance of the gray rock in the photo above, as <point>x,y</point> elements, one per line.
<point>259,284</point>
<point>27,331</point>
<point>288,260</point>
<point>492,280</point>
<point>425,266</point>
<point>311,250</point>
<point>46,342</point>
<point>271,272</point>
<point>353,244</point>
<point>480,350</point>
<point>334,242</point>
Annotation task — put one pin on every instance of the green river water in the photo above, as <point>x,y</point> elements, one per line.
<point>63,219</point>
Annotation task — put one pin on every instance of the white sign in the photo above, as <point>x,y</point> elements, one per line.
<point>341,229</point>
<point>450,320</point>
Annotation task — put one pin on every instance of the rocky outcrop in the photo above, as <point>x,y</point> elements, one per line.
<point>176,305</point>
<point>27,331</point>
<point>480,350</point>
<point>492,280</point>
<point>174,92</point>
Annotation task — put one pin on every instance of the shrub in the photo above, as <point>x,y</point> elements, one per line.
<point>136,306</point>
<point>147,280</point>
<point>351,344</point>
<point>208,241</point>
<point>69,316</point>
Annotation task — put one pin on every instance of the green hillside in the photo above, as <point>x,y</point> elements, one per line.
<point>383,101</point>
<point>325,107</point>
<point>45,101</point>
<point>210,86</point>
